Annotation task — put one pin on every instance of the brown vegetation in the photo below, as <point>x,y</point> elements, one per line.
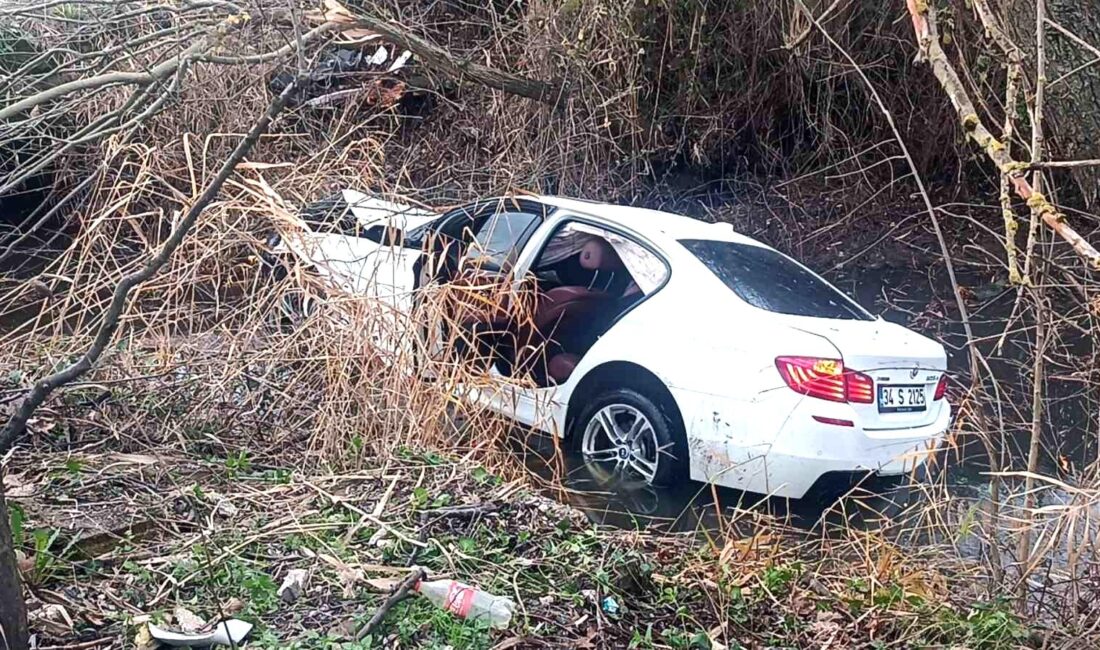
<point>117,116</point>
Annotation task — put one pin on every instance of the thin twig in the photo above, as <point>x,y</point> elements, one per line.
<point>43,387</point>
<point>400,593</point>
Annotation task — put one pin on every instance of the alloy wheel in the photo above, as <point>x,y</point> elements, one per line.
<point>621,438</point>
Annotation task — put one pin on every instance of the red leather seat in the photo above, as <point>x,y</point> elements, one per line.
<point>565,302</point>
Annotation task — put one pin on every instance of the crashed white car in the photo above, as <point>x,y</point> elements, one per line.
<point>668,347</point>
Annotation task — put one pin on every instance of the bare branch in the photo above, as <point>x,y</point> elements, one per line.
<point>42,388</point>
<point>1062,164</point>
<point>443,61</point>
<point>156,73</point>
<point>1037,139</point>
<point>923,17</point>
<point>400,592</point>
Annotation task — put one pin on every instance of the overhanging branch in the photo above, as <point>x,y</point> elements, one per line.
<point>439,59</point>
<point>924,25</point>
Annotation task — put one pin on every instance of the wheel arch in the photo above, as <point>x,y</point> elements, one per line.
<point>621,374</point>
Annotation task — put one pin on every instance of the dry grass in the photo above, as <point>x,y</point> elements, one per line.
<point>304,425</point>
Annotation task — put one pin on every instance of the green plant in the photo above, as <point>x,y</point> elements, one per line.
<point>421,624</point>
<point>74,466</point>
<point>261,589</point>
<point>777,579</point>
<point>482,476</point>
<point>46,562</point>
<point>640,640</point>
<point>419,497</point>
<point>994,625</point>
<point>238,463</point>
<point>16,517</point>
<point>280,476</point>
<point>680,639</point>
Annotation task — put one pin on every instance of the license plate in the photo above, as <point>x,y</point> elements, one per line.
<point>900,399</point>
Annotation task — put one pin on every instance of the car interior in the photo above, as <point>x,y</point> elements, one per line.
<point>575,290</point>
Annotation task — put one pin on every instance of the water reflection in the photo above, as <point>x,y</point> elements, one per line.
<point>609,499</point>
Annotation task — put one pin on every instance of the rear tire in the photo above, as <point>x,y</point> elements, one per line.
<point>632,433</point>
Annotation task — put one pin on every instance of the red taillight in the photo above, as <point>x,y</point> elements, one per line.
<point>826,379</point>
<point>834,421</point>
<point>821,378</point>
<point>860,388</point>
<point>941,387</point>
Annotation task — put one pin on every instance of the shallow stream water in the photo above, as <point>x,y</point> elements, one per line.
<point>922,301</point>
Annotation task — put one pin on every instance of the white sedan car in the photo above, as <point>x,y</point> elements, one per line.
<point>664,347</point>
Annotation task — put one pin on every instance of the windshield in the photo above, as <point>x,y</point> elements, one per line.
<point>772,281</point>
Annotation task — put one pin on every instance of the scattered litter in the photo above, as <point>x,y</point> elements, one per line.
<point>187,621</point>
<point>230,633</point>
<point>468,602</point>
<point>400,61</point>
<point>232,606</point>
<point>143,639</point>
<point>546,601</point>
<point>610,606</point>
<point>293,585</point>
<point>379,539</point>
<point>222,505</point>
<point>380,56</point>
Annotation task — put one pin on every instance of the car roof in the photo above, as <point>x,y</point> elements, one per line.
<point>654,224</point>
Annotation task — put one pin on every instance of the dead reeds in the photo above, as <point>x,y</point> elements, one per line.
<point>219,356</point>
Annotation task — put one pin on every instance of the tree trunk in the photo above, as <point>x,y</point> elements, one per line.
<point>13,614</point>
<point>1070,100</point>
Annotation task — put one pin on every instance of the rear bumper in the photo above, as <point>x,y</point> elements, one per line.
<point>775,446</point>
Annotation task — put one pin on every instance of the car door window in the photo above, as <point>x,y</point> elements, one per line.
<point>498,240</point>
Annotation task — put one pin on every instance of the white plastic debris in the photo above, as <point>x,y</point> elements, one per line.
<point>380,56</point>
<point>230,633</point>
<point>293,585</point>
<point>400,61</point>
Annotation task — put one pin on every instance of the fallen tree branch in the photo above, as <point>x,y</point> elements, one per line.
<point>17,423</point>
<point>13,612</point>
<point>1062,164</point>
<point>443,61</point>
<point>928,42</point>
<point>198,51</point>
<point>399,594</point>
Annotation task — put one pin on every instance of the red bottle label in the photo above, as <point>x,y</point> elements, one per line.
<point>460,598</point>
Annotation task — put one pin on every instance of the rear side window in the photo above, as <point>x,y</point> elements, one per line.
<point>771,281</point>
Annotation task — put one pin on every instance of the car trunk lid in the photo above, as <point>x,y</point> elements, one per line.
<point>904,366</point>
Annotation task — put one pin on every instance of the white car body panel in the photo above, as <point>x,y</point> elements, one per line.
<point>745,427</point>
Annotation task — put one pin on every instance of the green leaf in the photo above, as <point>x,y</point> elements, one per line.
<point>16,517</point>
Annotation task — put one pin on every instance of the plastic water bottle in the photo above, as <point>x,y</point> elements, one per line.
<point>468,602</point>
